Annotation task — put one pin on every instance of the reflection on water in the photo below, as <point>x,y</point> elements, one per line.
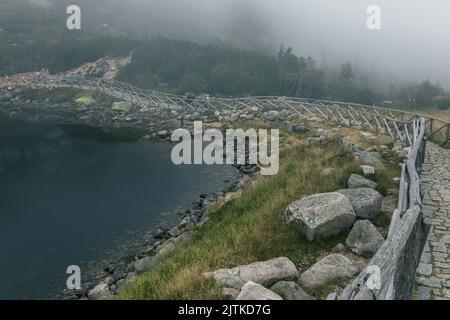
<point>66,199</point>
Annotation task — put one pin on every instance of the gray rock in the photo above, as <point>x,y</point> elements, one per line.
<point>339,248</point>
<point>433,282</point>
<point>254,291</point>
<point>289,290</point>
<point>371,158</point>
<point>356,181</point>
<point>331,268</point>
<point>265,273</point>
<point>146,263</point>
<point>368,170</point>
<point>422,293</point>
<point>230,293</point>
<point>366,202</point>
<point>322,215</point>
<point>332,296</point>
<point>100,292</point>
<point>364,239</point>
<point>425,269</point>
<point>175,232</point>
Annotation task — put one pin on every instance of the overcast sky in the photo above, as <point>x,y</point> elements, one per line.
<point>414,40</point>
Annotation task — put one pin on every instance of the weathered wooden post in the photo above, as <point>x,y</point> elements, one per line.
<point>447,135</point>
<point>431,126</point>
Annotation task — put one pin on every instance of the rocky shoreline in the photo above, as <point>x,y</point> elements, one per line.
<point>160,242</point>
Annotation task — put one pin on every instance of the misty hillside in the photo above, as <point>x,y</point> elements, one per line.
<point>236,22</point>
<point>234,48</point>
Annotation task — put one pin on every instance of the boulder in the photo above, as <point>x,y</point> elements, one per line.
<point>322,215</point>
<point>364,239</point>
<point>265,273</point>
<point>100,292</point>
<point>289,290</point>
<point>331,268</point>
<point>371,158</point>
<point>356,181</point>
<point>254,291</point>
<point>366,202</point>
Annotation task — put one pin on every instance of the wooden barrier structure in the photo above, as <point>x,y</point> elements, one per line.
<point>397,259</point>
<point>391,121</point>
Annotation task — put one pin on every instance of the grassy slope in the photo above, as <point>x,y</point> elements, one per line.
<point>250,228</point>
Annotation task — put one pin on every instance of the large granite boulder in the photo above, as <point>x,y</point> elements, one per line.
<point>265,273</point>
<point>290,290</point>
<point>356,181</point>
<point>366,202</point>
<point>322,215</point>
<point>255,291</point>
<point>331,268</point>
<point>364,239</point>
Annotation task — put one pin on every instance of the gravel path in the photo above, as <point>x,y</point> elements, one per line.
<point>433,273</point>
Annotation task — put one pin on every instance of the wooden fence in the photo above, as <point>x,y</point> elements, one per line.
<point>393,122</point>
<point>396,261</point>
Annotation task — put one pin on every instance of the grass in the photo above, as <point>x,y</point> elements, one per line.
<point>250,228</point>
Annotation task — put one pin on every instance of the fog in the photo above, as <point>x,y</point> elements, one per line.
<point>412,44</point>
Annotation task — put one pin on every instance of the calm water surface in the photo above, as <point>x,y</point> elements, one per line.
<point>67,198</point>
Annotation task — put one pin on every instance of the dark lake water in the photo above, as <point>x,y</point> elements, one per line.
<point>67,199</point>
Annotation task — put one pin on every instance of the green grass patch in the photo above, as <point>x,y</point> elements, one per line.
<point>250,228</point>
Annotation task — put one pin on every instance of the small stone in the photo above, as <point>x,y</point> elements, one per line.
<point>356,181</point>
<point>339,248</point>
<point>425,269</point>
<point>254,291</point>
<point>422,293</point>
<point>289,290</point>
<point>332,296</point>
<point>328,172</point>
<point>100,292</point>
<point>368,170</point>
<point>230,293</point>
<point>430,282</point>
<point>174,232</point>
